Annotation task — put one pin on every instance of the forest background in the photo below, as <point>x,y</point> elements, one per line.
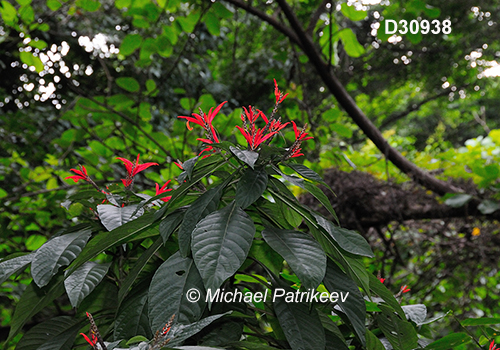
<point>406,127</point>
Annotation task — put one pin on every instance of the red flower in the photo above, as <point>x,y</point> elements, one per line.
<point>180,165</point>
<point>492,346</point>
<point>80,174</point>
<point>255,137</point>
<point>404,289</point>
<point>252,115</point>
<point>92,342</point>
<point>163,190</point>
<point>300,134</point>
<point>133,169</point>
<point>276,125</point>
<point>278,93</point>
<point>382,280</point>
<point>205,121</point>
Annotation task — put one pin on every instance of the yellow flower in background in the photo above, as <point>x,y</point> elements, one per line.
<point>476,231</point>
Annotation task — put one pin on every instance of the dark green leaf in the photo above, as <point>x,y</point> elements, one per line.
<point>167,293</point>
<point>138,267</point>
<point>251,186</point>
<point>32,301</point>
<point>181,332</point>
<point>57,333</point>
<point>220,244</point>
<point>107,240</point>
<point>301,252</point>
<point>304,171</point>
<point>372,342</point>
<point>14,265</point>
<point>400,333</point>
<point>170,223</point>
<point>188,166</point>
<point>350,299</point>
<point>483,321</point>
<point>57,252</point>
<point>450,341</point>
<point>204,205</point>
<point>379,289</point>
<point>247,157</point>
<point>132,317</point>
<point>113,217</point>
<point>348,240</point>
<point>301,324</point>
<point>83,281</point>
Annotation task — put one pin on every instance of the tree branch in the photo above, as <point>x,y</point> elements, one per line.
<point>276,24</point>
<point>350,106</point>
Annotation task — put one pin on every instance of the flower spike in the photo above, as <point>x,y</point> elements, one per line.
<point>279,95</point>
<point>80,174</point>
<point>132,170</point>
<point>163,190</point>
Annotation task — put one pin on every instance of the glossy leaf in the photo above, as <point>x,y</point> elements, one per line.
<point>204,205</point>
<point>137,268</point>
<point>379,289</point>
<point>59,251</point>
<point>57,333</point>
<point>247,157</point>
<point>14,265</point>
<point>220,244</point>
<point>132,317</point>
<point>83,281</point>
<point>400,333</point>
<point>348,240</point>
<point>304,171</point>
<point>181,332</point>
<point>113,217</point>
<point>170,223</point>
<point>300,324</point>
<point>416,313</point>
<point>251,186</point>
<point>106,240</point>
<point>353,306</point>
<point>167,292</point>
<point>301,252</point>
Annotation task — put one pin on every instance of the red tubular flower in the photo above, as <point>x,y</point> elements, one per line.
<point>180,165</point>
<point>255,137</point>
<point>205,121</point>
<point>278,93</point>
<point>492,346</point>
<point>252,116</point>
<point>405,289</point>
<point>382,280</point>
<point>163,190</point>
<point>300,135</point>
<point>276,125</point>
<point>133,169</point>
<point>92,342</point>
<point>80,174</point>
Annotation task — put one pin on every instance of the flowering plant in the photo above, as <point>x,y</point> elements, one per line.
<point>230,227</point>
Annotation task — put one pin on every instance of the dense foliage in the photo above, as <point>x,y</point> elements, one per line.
<point>84,82</point>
